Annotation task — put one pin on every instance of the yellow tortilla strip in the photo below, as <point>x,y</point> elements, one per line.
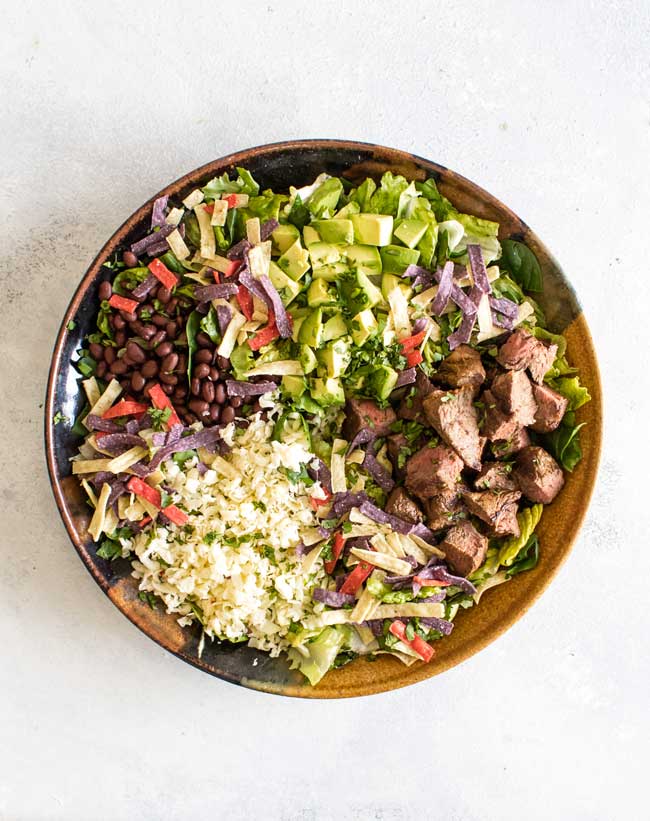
<point>391,563</point>
<point>96,526</point>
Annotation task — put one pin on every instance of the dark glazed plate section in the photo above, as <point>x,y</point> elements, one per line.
<point>278,166</point>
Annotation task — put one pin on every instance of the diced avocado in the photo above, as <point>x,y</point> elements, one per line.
<point>297,324</point>
<point>307,359</point>
<point>311,330</point>
<point>294,386</point>
<point>335,356</point>
<point>382,381</point>
<point>330,272</point>
<point>372,229</point>
<point>323,201</point>
<point>365,258</point>
<point>335,327</point>
<point>390,281</point>
<point>358,292</point>
<point>324,253</point>
<point>287,288</point>
<point>363,326</point>
<point>327,391</point>
<point>295,260</point>
<point>410,232</point>
<point>310,236</point>
<point>348,210</point>
<point>335,230</point>
<point>284,237</point>
<point>396,259</point>
<point>307,404</point>
<point>321,293</point>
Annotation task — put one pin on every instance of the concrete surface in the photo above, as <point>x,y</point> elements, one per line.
<point>544,104</point>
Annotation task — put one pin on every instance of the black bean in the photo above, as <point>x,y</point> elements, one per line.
<point>220,394</point>
<point>169,363</point>
<point>118,367</point>
<point>215,413</point>
<point>172,329</point>
<point>227,414</point>
<point>181,339</point>
<point>125,384</point>
<point>203,340</point>
<point>236,401</point>
<point>223,363</point>
<point>164,349</point>
<point>105,291</point>
<point>203,355</point>
<point>156,339</point>
<point>102,367</point>
<point>214,375</point>
<point>171,305</point>
<point>190,419</point>
<point>129,259</point>
<point>168,389</point>
<point>146,308</point>
<point>127,360</point>
<point>181,367</point>
<point>149,331</point>
<point>120,338</point>
<point>151,384</point>
<point>168,378</point>
<point>256,407</point>
<point>135,352</point>
<point>201,370</point>
<point>96,351</point>
<point>138,382</point>
<point>164,294</point>
<point>199,407</point>
<point>195,386</point>
<point>159,321</point>
<point>110,355</point>
<point>207,392</point>
<point>117,322</point>
<point>180,393</point>
<point>149,369</point>
<point>127,316</point>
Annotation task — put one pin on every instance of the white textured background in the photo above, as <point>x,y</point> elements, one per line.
<point>545,104</point>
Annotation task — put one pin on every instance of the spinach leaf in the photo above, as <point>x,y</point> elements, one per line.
<point>127,280</point>
<point>172,263</point>
<point>192,230</point>
<point>299,213</point>
<point>210,325</point>
<point>527,558</point>
<point>522,265</point>
<point>191,329</point>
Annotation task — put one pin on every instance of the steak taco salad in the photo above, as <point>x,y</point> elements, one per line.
<point>322,422</point>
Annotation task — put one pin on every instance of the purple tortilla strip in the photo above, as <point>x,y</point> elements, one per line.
<point>378,472</point>
<point>441,625</point>
<point>116,443</point>
<point>141,290</point>
<point>463,334</point>
<point>143,245</point>
<point>282,321</point>
<point>224,315</point>
<point>479,272</point>
<point>344,502</point>
<point>203,438</point>
<point>158,211</point>
<point>462,300</point>
<point>94,422</point>
<point>268,228</point>
<point>209,292</point>
<point>406,377</point>
<point>254,286</point>
<point>380,516</point>
<point>445,285</point>
<point>237,251</point>
<point>321,473</point>
<point>502,321</point>
<point>246,389</point>
<point>504,306</point>
<point>364,436</point>
<point>331,598</point>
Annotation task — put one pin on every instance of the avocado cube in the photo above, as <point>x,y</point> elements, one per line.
<point>335,327</point>
<point>307,359</point>
<point>359,293</point>
<point>335,230</point>
<point>295,261</point>
<point>332,272</point>
<point>285,286</point>
<point>382,381</point>
<point>311,330</point>
<point>310,236</point>
<point>320,292</point>
<point>410,232</point>
<point>335,357</point>
<point>363,326</point>
<point>323,201</point>
<point>395,259</point>
<point>372,229</point>
<point>324,253</point>
<point>391,281</point>
<point>293,386</point>
<point>347,210</point>
<point>327,391</point>
<point>365,258</point>
<point>284,237</point>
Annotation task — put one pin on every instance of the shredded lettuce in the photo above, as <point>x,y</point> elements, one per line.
<point>322,652</point>
<point>528,520</point>
<point>571,388</point>
<point>244,184</point>
<point>386,199</point>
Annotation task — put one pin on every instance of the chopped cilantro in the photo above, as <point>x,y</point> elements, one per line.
<point>159,417</point>
<point>210,537</point>
<point>71,325</point>
<point>149,598</point>
<point>259,506</point>
<point>59,417</point>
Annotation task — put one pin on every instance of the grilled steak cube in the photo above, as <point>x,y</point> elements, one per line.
<point>514,394</point>
<point>495,476</point>
<point>464,548</point>
<point>432,470</point>
<point>411,406</point>
<point>522,350</point>
<point>538,475</point>
<point>496,508</point>
<point>551,407</point>
<point>444,510</point>
<point>497,424</point>
<point>503,448</point>
<point>365,413</point>
<point>453,415</point>
<point>401,505</point>
<point>463,366</point>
